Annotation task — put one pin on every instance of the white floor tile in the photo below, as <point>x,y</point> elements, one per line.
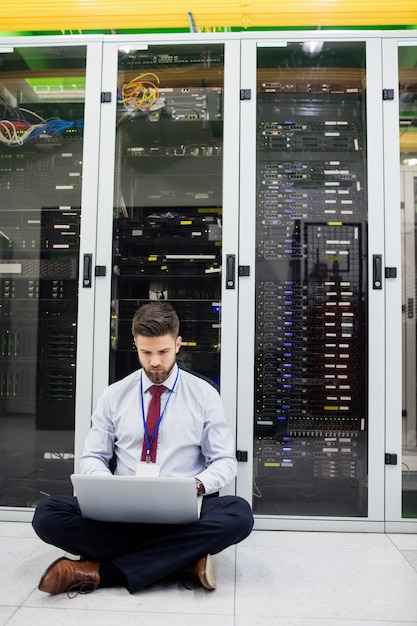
<point>324,583</point>
<point>23,562</point>
<point>5,613</point>
<point>16,529</point>
<point>275,620</point>
<point>411,556</point>
<point>404,541</point>
<point>272,538</point>
<point>42,617</point>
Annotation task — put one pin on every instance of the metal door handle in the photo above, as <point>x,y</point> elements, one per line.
<point>87,265</point>
<point>377,271</point>
<point>230,271</point>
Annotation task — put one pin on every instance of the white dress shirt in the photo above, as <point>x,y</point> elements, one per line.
<point>194,438</point>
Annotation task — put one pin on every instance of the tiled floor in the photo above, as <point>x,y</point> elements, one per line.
<point>271,579</point>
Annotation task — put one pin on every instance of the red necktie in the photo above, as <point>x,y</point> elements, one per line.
<point>154,413</point>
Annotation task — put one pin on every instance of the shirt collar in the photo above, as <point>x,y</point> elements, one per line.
<point>168,383</point>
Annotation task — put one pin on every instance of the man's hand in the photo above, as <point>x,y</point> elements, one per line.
<point>200,487</point>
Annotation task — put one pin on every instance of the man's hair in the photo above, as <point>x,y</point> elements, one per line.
<point>155,319</point>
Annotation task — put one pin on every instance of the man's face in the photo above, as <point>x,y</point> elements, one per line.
<point>157,355</point>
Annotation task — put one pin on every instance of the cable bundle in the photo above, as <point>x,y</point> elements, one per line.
<point>17,132</point>
<point>140,93</point>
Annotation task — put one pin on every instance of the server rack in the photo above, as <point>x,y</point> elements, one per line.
<point>167,229</point>
<point>310,404</point>
<point>41,145</point>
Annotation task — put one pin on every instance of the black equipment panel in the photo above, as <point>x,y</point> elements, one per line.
<point>310,454</point>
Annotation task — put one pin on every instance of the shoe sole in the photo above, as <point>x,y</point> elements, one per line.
<point>209,581</point>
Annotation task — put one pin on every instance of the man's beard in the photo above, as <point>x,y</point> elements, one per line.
<point>158,377</point>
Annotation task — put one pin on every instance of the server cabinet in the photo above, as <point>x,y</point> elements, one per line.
<point>41,144</point>
<point>168,203</point>
<point>314,278</point>
<point>400,63</point>
<point>43,102</point>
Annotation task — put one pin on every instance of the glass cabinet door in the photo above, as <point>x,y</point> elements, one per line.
<point>311,283</point>
<point>42,91</point>
<point>167,229</point>
<point>407,65</point>
<point>409,344</point>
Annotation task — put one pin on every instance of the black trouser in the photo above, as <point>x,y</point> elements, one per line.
<point>144,553</point>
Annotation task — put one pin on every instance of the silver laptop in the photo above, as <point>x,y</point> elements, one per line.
<point>137,499</point>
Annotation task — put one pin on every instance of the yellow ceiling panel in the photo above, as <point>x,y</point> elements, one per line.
<point>143,14</point>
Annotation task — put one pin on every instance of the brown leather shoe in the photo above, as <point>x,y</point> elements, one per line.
<point>71,576</point>
<point>205,572</point>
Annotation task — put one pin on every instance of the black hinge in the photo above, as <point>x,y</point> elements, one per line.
<point>100,270</point>
<point>245,94</point>
<point>388,94</point>
<point>242,456</point>
<point>390,459</point>
<point>243,270</point>
<point>390,272</point>
<point>105,96</point>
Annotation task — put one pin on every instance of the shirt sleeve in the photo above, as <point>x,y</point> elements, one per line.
<point>99,444</point>
<point>217,446</point>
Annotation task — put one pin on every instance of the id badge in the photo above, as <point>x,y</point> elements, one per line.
<point>150,470</point>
